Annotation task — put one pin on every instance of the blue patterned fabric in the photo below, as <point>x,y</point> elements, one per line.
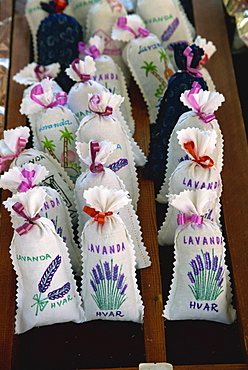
<point>171,108</point>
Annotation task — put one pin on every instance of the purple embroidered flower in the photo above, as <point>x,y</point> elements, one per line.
<point>120,281</point>
<point>46,278</point>
<point>116,166</point>
<point>93,285</point>
<point>191,277</point>
<point>199,261</point>
<point>215,263</point>
<point>59,293</point>
<point>99,270</point>
<point>107,270</point>
<point>220,282</point>
<point>123,290</point>
<point>115,274</point>
<point>194,266</point>
<point>207,260</point>
<point>219,273</point>
<point>97,281</point>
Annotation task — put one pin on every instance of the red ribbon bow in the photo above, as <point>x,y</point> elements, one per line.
<point>23,229</point>
<point>21,143</point>
<point>92,51</point>
<point>95,167</point>
<point>84,77</point>
<point>188,53</point>
<point>95,100</point>
<point>98,216</point>
<point>183,219</point>
<point>122,23</point>
<point>25,186</point>
<point>196,87</point>
<point>60,98</point>
<point>189,146</point>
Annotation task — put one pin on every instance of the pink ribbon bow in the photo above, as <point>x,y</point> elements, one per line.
<point>23,229</point>
<point>84,77</point>
<point>60,98</point>
<point>40,72</point>
<point>92,51</point>
<point>122,23</point>
<point>206,118</point>
<point>95,167</point>
<point>182,219</point>
<point>94,101</point>
<point>188,53</point>
<point>21,143</point>
<point>25,186</point>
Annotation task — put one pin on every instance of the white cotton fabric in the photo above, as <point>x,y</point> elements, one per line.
<point>8,145</point>
<point>200,288</point>
<point>110,180</point>
<point>109,285</point>
<point>98,128</point>
<point>209,103</point>
<point>41,262</point>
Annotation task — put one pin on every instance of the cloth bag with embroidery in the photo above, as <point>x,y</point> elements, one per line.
<point>200,288</point>
<point>102,125</point>
<point>146,59</point>
<point>46,289</point>
<point>22,179</point>
<point>94,155</point>
<point>12,149</point>
<point>198,172</point>
<point>53,125</point>
<point>171,108</point>
<point>109,285</point>
<point>32,74</point>
<point>100,21</point>
<point>173,25</point>
<point>202,105</point>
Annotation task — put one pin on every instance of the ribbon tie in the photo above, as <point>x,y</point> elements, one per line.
<point>98,216</point>
<point>94,101</point>
<point>92,51</point>
<point>23,229</point>
<point>25,186</point>
<point>183,219</point>
<point>189,147</point>
<point>84,77</point>
<point>115,5</point>
<point>188,53</point>
<point>122,23</point>
<point>40,72</point>
<point>60,98</point>
<point>21,143</point>
<point>206,118</point>
<point>95,167</point>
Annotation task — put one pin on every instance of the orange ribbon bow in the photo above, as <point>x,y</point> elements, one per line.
<point>189,146</point>
<point>98,216</point>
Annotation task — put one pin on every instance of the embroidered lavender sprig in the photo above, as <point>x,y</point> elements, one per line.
<point>206,277</point>
<point>116,166</point>
<point>46,278</point>
<point>59,293</point>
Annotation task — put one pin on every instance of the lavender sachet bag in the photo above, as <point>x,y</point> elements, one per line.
<point>202,105</point>
<point>196,172</point>
<point>94,155</point>
<point>103,125</point>
<point>171,108</point>
<point>46,289</point>
<point>200,288</point>
<point>109,285</point>
<point>22,179</point>
<point>146,59</point>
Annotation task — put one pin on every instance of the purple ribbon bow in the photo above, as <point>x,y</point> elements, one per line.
<point>21,143</point>
<point>182,219</point>
<point>23,229</point>
<point>188,53</point>
<point>25,186</point>
<point>40,72</point>
<point>196,87</point>
<point>122,23</point>
<point>92,51</point>
<point>95,100</point>
<point>95,167</point>
<point>60,98</point>
<point>84,77</point>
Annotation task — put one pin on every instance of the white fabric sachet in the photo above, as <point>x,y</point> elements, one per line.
<point>103,125</point>
<point>198,172</point>
<point>94,155</point>
<point>53,125</point>
<point>200,288</point>
<point>46,289</point>
<point>167,21</point>
<point>203,104</point>
<point>100,21</point>
<point>146,59</point>
<point>22,179</point>
<point>109,285</point>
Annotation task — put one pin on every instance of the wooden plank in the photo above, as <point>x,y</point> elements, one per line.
<point>210,23</point>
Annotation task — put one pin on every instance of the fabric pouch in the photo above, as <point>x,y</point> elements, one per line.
<point>94,155</point>
<point>146,59</point>
<point>109,285</point>
<point>171,108</point>
<point>203,104</point>
<point>46,289</point>
<point>22,179</point>
<point>198,172</point>
<point>102,125</point>
<point>168,21</point>
<point>200,288</point>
